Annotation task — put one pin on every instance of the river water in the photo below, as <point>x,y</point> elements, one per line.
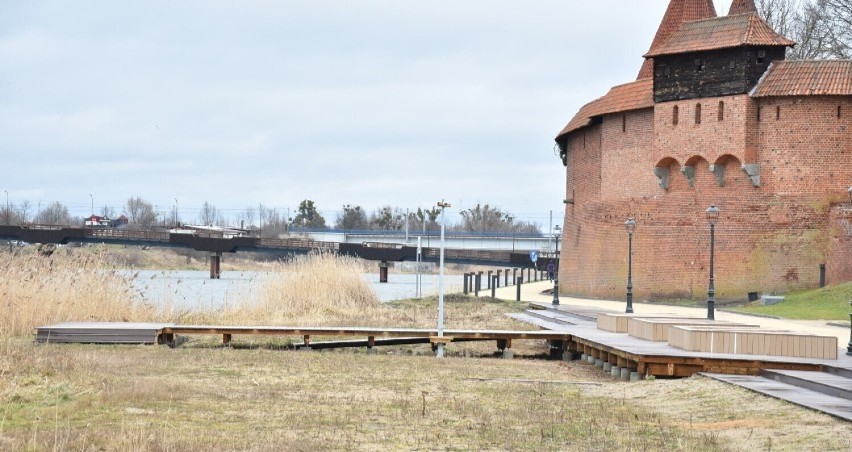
<point>183,289</point>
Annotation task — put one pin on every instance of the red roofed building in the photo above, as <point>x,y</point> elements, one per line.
<point>717,116</point>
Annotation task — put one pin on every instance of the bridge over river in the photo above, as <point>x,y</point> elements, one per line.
<point>217,243</point>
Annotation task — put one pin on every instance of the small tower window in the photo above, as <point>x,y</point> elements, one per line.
<point>721,110</point>
<point>758,112</point>
<point>732,64</point>
<point>624,123</point>
<point>699,66</point>
<point>761,56</point>
<point>777,112</point>
<point>674,115</point>
<point>838,111</point>
<point>698,113</point>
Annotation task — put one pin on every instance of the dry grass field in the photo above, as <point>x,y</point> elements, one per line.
<point>259,395</point>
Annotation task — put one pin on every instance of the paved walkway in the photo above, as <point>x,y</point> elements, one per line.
<point>531,292</point>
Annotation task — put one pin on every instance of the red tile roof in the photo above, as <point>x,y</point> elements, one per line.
<point>678,12</point>
<point>742,7</point>
<point>629,96</point>
<point>720,33</point>
<point>806,78</point>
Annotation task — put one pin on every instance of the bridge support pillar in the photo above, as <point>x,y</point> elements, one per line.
<point>383,272</point>
<point>215,265</point>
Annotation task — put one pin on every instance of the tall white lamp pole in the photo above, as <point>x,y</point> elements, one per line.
<point>440,352</point>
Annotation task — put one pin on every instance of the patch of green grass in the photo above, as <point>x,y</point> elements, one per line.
<point>827,303</point>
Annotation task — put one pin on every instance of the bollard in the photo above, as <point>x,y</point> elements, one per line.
<point>520,282</point>
<point>476,285</point>
<point>528,273</point>
<point>536,274</point>
<point>514,274</point>
<point>822,274</point>
<point>499,274</point>
<point>506,282</point>
<point>494,287</point>
<point>488,281</point>
<point>464,283</point>
<point>383,272</point>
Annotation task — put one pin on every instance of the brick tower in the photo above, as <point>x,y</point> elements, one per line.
<point>717,116</point>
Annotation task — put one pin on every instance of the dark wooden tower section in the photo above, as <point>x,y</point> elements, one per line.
<point>715,57</point>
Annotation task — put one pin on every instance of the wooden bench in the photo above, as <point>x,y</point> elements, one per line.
<point>658,329</point>
<point>752,341</point>
<point>616,322</point>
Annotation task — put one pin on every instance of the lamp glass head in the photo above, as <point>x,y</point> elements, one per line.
<point>712,214</point>
<point>630,224</point>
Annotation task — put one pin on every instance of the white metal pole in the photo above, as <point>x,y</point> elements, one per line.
<point>440,352</point>
<point>419,288</point>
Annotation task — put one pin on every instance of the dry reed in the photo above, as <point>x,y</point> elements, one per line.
<point>316,289</point>
<point>78,284</point>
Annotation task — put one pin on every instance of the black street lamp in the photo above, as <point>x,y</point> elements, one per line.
<point>630,224</point>
<point>712,216</point>
<point>849,345</point>
<point>556,273</point>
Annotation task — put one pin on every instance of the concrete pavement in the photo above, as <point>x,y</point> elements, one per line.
<point>532,292</point>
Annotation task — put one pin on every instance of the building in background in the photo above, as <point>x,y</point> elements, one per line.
<point>716,116</point>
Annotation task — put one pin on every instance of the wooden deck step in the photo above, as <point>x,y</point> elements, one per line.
<point>538,321</point>
<point>835,406</point>
<point>551,316</point>
<point>824,382</point>
<point>101,332</point>
<point>581,312</point>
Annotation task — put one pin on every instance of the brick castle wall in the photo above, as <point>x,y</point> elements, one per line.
<point>770,238</point>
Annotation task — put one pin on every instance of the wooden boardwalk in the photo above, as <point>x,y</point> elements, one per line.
<point>149,333</point>
<point>821,384</point>
<point>659,358</point>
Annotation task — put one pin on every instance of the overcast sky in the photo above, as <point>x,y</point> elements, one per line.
<point>367,103</point>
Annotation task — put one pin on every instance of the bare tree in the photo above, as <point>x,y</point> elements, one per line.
<point>840,17</point>
<point>140,212</point>
<point>821,28</point>
<point>249,215</point>
<point>54,213</point>
<point>208,216</point>
<point>108,212</point>
<point>781,15</point>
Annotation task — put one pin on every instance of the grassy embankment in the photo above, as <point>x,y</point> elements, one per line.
<point>827,303</point>
<point>200,397</point>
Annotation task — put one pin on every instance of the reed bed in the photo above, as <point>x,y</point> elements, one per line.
<point>72,284</point>
<point>316,289</point>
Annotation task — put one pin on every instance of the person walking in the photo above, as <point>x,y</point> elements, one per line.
<point>550,268</point>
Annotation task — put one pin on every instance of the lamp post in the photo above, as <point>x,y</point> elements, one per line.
<point>712,213</point>
<point>556,263</point>
<point>849,345</point>
<point>440,352</point>
<point>6,215</point>
<point>176,213</point>
<point>512,230</point>
<point>260,220</point>
<point>630,224</point>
